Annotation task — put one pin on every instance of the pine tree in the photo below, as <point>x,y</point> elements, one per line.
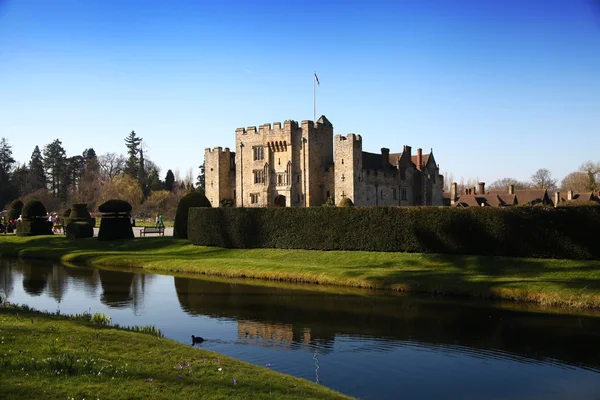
<point>7,190</point>
<point>55,162</point>
<point>133,143</point>
<point>154,181</point>
<point>201,179</point>
<point>37,173</point>
<point>91,161</point>
<point>169,181</point>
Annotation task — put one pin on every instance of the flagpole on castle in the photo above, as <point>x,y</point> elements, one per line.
<point>315,84</point>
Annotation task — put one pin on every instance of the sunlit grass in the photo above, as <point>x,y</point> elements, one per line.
<point>44,356</point>
<point>571,283</point>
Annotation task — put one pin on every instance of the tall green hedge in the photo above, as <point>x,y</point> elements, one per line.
<point>15,209</point>
<point>570,232</point>
<point>192,199</point>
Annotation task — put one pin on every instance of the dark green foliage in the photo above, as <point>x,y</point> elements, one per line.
<point>34,209</point>
<point>227,203</point>
<point>65,217</point>
<point>115,206</point>
<point>115,223</point>
<point>34,227</point>
<point>114,228</point>
<point>16,207</point>
<point>80,213</point>
<point>169,181</point>
<point>346,202</point>
<point>590,203</point>
<point>192,199</point>
<point>79,229</point>
<point>569,232</point>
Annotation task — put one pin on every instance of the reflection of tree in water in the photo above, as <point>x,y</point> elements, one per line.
<point>57,282</point>
<point>116,288</point>
<point>35,276</point>
<point>319,317</point>
<point>86,276</point>
<point>7,271</point>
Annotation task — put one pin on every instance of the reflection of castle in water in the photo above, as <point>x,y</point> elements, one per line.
<point>271,315</point>
<point>272,333</point>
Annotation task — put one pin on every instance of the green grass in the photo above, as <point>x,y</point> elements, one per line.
<point>44,356</point>
<point>570,283</point>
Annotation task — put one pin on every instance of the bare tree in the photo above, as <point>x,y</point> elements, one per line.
<point>576,181</point>
<point>504,183</point>
<point>542,179</point>
<point>111,165</point>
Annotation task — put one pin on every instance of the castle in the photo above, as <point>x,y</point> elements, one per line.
<point>301,165</point>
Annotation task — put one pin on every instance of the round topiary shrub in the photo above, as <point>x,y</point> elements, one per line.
<point>79,229</point>
<point>34,220</point>
<point>116,220</point>
<point>34,209</point>
<point>15,209</point>
<point>346,202</point>
<point>115,206</point>
<point>65,217</point>
<point>192,199</point>
<point>79,212</point>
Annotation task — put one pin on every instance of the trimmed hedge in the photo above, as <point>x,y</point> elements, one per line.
<point>346,202</point>
<point>15,209</point>
<point>115,223</point>
<point>192,199</point>
<point>34,227</point>
<point>570,232</point>
<point>79,229</point>
<point>34,209</point>
<point>79,213</point>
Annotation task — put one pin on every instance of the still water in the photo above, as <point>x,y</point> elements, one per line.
<point>366,344</point>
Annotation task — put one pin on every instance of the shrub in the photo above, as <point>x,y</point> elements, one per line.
<point>115,206</point>
<point>15,209</point>
<point>346,202</point>
<point>65,217</point>
<point>79,212</point>
<point>192,199</point>
<point>115,223</point>
<point>34,227</point>
<point>227,203</point>
<point>569,232</point>
<point>79,229</point>
<point>34,209</point>
<point>329,202</point>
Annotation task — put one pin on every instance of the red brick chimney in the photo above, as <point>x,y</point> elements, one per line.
<point>419,158</point>
<point>511,189</point>
<point>481,187</point>
<point>570,195</point>
<point>385,157</point>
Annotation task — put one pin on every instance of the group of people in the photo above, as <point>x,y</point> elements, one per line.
<point>57,225</point>
<point>7,226</point>
<point>159,223</point>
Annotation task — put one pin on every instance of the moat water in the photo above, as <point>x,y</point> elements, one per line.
<point>366,344</point>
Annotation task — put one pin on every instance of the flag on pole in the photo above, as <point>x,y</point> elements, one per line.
<point>317,79</point>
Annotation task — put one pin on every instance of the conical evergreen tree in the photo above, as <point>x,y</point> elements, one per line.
<point>133,143</point>
<point>37,173</point>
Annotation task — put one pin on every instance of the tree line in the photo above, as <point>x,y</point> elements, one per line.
<point>59,180</point>
<point>584,180</point>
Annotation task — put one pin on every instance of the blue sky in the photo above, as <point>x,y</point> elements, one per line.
<point>497,88</point>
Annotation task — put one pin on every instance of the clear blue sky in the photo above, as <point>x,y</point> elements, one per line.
<point>497,87</point>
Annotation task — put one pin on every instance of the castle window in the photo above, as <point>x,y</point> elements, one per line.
<point>298,199</point>
<point>253,198</point>
<point>298,180</point>
<point>342,161</point>
<point>259,153</point>
<point>259,176</point>
<point>395,194</point>
<point>328,194</point>
<point>403,194</point>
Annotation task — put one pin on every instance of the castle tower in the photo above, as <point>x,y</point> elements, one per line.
<point>348,166</point>
<point>317,160</point>
<point>219,173</point>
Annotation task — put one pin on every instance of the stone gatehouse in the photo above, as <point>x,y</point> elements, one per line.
<point>301,165</point>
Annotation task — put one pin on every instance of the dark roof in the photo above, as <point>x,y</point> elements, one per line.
<point>394,157</point>
<point>424,159</point>
<point>525,196</point>
<point>324,121</point>
<point>470,200</point>
<point>373,161</point>
<point>488,199</point>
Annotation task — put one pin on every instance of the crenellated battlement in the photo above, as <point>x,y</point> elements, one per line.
<point>267,129</point>
<point>351,137</point>
<point>217,150</point>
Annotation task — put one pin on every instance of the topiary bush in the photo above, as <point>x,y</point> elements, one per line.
<point>563,232</point>
<point>65,217</point>
<point>34,220</point>
<point>346,202</point>
<point>192,199</point>
<point>79,229</point>
<point>34,209</point>
<point>79,212</point>
<point>15,209</point>
<point>115,223</point>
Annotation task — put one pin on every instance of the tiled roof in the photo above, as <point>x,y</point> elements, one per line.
<point>527,196</point>
<point>424,160</point>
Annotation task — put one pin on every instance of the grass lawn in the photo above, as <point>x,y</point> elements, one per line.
<point>570,283</point>
<point>44,356</point>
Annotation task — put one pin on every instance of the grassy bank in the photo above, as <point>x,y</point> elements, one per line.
<point>549,282</point>
<point>45,356</point>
